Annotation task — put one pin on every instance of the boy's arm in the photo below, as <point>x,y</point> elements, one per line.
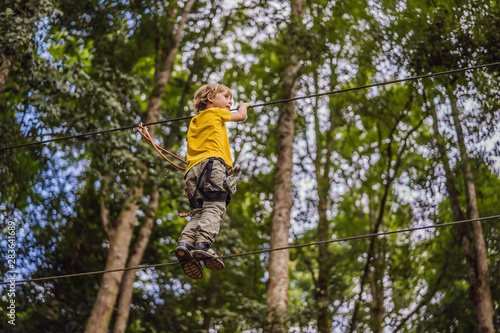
<point>241,114</point>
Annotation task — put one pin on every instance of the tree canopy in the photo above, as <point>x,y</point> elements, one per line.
<point>391,157</point>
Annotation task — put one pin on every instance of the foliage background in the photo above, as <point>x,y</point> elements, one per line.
<point>81,66</point>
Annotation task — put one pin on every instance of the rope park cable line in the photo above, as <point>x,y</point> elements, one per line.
<point>143,131</point>
<point>413,78</point>
<point>407,230</point>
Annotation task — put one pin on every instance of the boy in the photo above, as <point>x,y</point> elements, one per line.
<point>209,160</point>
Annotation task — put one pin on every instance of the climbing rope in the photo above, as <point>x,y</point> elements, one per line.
<point>267,250</point>
<point>259,105</point>
<point>143,130</point>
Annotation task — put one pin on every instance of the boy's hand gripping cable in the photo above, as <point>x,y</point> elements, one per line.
<point>143,130</point>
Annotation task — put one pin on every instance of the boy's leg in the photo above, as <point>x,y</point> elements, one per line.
<point>187,240</point>
<point>185,248</point>
<point>188,234</point>
<point>212,211</point>
<point>209,221</point>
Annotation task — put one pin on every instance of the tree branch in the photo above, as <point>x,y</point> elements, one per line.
<point>430,294</point>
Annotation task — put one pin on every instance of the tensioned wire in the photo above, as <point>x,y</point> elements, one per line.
<point>261,104</point>
<point>253,106</point>
<point>264,251</point>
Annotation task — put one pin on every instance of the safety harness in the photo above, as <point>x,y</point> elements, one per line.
<point>218,195</point>
<point>230,180</point>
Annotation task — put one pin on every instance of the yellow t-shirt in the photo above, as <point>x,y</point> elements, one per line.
<point>207,137</point>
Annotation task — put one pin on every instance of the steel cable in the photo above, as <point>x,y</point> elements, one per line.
<point>259,105</point>
<point>264,251</point>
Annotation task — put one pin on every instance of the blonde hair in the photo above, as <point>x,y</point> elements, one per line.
<point>201,95</point>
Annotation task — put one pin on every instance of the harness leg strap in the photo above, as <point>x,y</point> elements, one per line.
<point>218,195</point>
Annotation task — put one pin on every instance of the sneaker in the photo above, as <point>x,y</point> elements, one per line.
<point>211,258</point>
<point>191,267</point>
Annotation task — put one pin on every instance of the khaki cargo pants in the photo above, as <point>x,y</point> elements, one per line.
<point>205,222</point>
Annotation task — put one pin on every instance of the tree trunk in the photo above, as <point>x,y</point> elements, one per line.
<point>430,294</point>
<point>277,289</point>
<point>209,304</point>
<point>372,249</point>
<point>323,167</point>
<point>168,54</point>
<point>480,298</point>
<point>5,65</point>
<point>134,261</point>
<point>377,291</point>
<point>207,317</point>
<point>453,196</point>
<point>120,232</point>
<point>481,287</point>
<point>196,68</point>
<point>119,241</point>
<point>391,176</point>
<point>377,286</point>
<point>324,261</point>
